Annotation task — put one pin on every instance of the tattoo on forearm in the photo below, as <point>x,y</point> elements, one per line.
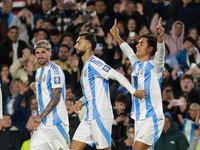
<point>52,104</point>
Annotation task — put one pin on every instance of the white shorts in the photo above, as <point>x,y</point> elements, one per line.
<point>97,131</point>
<point>149,130</point>
<point>48,138</point>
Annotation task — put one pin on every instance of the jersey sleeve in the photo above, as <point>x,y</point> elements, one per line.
<point>128,51</point>
<point>57,77</point>
<point>160,57</point>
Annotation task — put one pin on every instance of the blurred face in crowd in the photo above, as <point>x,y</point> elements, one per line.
<point>178,29</point>
<point>13,35</point>
<point>186,85</point>
<point>167,94</point>
<point>69,93</point>
<point>55,39</point>
<point>34,104</point>
<point>63,53</point>
<point>46,25</point>
<point>100,7</point>
<point>41,35</point>
<point>90,9</point>
<point>194,34</point>
<point>121,28</point>
<point>46,5</point>
<point>165,74</point>
<point>130,9</point>
<point>7,7</point>
<point>131,25</point>
<point>184,106</point>
<point>130,132</point>
<point>16,86</point>
<point>68,41</point>
<point>187,45</point>
<point>5,71</point>
<point>120,106</point>
<point>7,122</point>
<point>70,106</point>
<point>193,111</point>
<point>116,7</point>
<point>167,125</point>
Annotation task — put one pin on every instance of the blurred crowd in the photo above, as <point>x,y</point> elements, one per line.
<point>25,22</point>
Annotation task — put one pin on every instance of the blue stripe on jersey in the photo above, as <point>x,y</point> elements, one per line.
<point>87,111</point>
<point>104,131</point>
<point>64,133</point>
<point>184,125</point>
<point>91,73</point>
<point>156,130</point>
<point>55,68</point>
<point>40,99</point>
<point>147,82</point>
<point>136,99</point>
<point>56,118</point>
<point>63,92</point>
<point>91,144</point>
<point>193,127</point>
<point>105,85</point>
<point>8,101</point>
<point>48,82</point>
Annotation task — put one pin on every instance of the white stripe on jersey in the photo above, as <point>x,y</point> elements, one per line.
<point>188,129</point>
<point>47,78</point>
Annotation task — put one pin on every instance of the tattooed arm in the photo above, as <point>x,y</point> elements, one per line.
<point>56,92</point>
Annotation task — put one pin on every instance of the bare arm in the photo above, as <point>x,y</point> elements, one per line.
<point>56,92</point>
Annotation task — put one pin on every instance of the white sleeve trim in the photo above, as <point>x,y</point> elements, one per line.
<point>83,100</point>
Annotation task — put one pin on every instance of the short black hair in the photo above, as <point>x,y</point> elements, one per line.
<point>122,98</point>
<point>187,76</point>
<point>54,32</point>
<point>13,27</point>
<point>89,3</point>
<point>190,39</point>
<point>151,41</point>
<point>44,30</point>
<point>68,34</point>
<point>68,86</point>
<point>64,45</point>
<point>31,98</point>
<point>91,38</point>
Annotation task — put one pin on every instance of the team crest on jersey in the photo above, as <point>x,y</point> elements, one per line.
<point>57,80</point>
<point>40,78</point>
<point>85,72</point>
<point>141,71</point>
<point>106,68</point>
<point>36,80</point>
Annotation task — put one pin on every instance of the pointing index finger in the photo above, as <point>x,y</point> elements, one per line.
<point>159,22</point>
<point>115,24</point>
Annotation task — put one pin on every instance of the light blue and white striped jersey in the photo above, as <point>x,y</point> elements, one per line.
<point>146,76</point>
<point>95,87</point>
<point>188,129</point>
<point>46,79</point>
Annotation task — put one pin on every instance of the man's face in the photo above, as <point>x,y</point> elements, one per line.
<point>100,7</point>
<point>193,111</point>
<point>165,74</point>
<point>178,29</point>
<point>41,35</point>
<point>46,25</point>
<point>80,46</point>
<point>130,9</point>
<point>34,104</point>
<point>68,41</point>
<point>131,25</point>
<point>42,55</point>
<point>7,122</point>
<point>187,45</point>
<point>69,93</point>
<point>7,7</point>
<point>70,106</point>
<point>120,106</point>
<point>16,86</point>
<point>167,94</point>
<point>186,85</point>
<point>194,34</point>
<point>55,39</point>
<point>90,9</point>
<point>121,28</point>
<point>46,5</point>
<point>116,8</point>
<point>142,48</point>
<point>63,53</point>
<point>167,125</point>
<point>13,35</point>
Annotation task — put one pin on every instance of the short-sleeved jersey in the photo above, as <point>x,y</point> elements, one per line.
<point>95,87</point>
<point>46,79</point>
<point>146,75</point>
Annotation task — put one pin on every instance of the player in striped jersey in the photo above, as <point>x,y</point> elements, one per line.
<point>96,126</point>
<point>50,128</point>
<point>147,75</point>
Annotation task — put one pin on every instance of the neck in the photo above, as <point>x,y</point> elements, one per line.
<point>145,58</point>
<point>45,64</point>
<point>87,55</point>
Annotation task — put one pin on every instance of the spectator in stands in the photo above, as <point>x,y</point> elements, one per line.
<point>121,117</point>
<point>171,138</point>
<point>10,138</point>
<point>68,39</point>
<point>46,6</point>
<point>70,92</point>
<point>6,17</point>
<point>11,48</point>
<point>33,6</point>
<point>193,33</point>
<point>5,75</point>
<point>73,117</point>
<point>195,144</point>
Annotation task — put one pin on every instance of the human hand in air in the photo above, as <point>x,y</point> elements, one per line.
<point>77,107</point>
<point>140,94</point>
<point>160,31</point>
<point>114,30</point>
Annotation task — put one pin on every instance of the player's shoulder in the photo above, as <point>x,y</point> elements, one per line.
<point>96,61</point>
<point>54,67</point>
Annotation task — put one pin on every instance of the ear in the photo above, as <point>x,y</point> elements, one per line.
<point>89,46</point>
<point>150,49</point>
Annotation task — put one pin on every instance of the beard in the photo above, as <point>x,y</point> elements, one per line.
<point>23,20</point>
<point>81,53</point>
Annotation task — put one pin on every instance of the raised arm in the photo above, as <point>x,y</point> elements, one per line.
<point>160,54</point>
<point>56,92</point>
<point>128,51</point>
